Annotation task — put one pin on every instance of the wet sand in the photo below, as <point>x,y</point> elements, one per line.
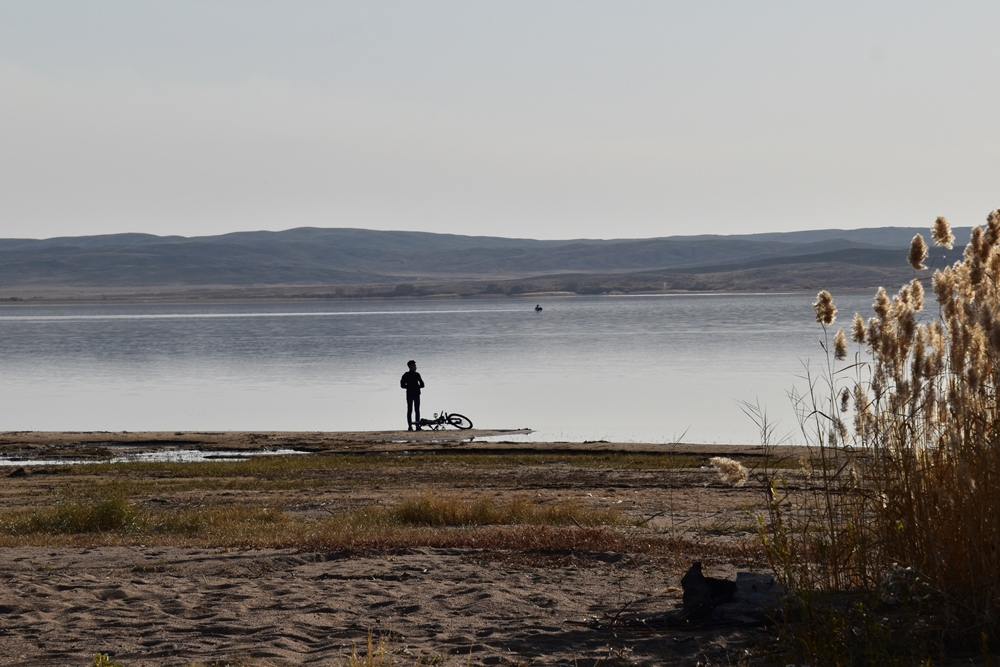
<point>104,444</point>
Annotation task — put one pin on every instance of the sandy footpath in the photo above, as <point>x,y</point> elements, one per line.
<point>147,606</point>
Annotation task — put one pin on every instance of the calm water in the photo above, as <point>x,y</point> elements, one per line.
<point>651,369</point>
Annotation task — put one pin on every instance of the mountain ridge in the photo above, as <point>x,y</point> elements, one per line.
<point>354,258</point>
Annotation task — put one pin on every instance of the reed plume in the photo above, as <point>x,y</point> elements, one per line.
<point>826,312</point>
<point>730,470</point>
<point>858,329</point>
<point>941,234</point>
<point>839,345</point>
<point>918,253</point>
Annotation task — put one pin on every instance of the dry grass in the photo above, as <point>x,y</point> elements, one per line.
<point>382,503</point>
<point>425,520</point>
<point>907,463</point>
<point>432,509</point>
<point>325,471</point>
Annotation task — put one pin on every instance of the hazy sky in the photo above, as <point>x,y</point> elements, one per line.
<point>529,118</point>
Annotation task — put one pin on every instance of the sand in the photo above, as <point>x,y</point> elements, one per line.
<point>151,605</point>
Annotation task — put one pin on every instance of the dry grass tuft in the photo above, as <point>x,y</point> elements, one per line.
<point>377,654</point>
<point>431,509</point>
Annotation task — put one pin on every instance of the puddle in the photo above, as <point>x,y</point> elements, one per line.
<point>11,463</point>
<point>169,456</point>
<point>194,455</point>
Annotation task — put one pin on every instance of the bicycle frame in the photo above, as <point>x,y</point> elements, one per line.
<point>445,419</point>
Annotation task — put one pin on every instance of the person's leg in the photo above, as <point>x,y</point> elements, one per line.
<point>416,406</point>
<point>409,413</point>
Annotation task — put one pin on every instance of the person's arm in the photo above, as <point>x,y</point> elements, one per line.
<point>402,382</point>
<point>420,381</point>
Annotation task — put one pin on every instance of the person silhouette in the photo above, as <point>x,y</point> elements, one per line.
<point>412,383</point>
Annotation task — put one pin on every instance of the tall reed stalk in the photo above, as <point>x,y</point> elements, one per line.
<point>906,450</point>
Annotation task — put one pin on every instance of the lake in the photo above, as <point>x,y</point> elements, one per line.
<point>636,369</point>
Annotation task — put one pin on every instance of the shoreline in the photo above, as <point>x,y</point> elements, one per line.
<point>95,445</point>
<point>65,296</point>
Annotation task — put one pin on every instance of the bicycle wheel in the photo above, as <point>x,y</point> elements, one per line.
<point>459,421</point>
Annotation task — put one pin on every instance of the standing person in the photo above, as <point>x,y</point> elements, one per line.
<point>412,383</point>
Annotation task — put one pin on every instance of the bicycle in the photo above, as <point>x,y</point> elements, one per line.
<point>446,419</point>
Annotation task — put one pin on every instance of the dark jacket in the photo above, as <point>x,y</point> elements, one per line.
<point>411,382</point>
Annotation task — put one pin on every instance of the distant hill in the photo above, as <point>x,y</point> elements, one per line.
<point>358,262</point>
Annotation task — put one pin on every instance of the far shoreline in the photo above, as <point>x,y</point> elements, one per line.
<point>225,294</point>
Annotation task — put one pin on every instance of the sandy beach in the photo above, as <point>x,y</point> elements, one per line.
<point>144,604</point>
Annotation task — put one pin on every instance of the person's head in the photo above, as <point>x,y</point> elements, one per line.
<point>411,364</point>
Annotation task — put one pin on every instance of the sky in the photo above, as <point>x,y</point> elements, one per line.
<point>519,118</point>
